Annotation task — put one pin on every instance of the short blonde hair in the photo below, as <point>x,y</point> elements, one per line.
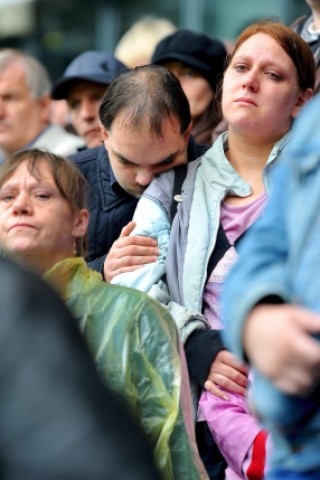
<point>137,44</point>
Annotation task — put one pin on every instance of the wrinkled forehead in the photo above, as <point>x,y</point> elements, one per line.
<point>39,170</point>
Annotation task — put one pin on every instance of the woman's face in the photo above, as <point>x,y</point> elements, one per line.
<point>260,89</point>
<point>36,223</point>
<point>196,87</point>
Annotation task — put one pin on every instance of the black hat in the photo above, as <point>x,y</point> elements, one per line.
<point>205,54</point>
<point>93,66</point>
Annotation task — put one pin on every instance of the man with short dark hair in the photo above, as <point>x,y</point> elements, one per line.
<point>83,85</point>
<point>145,125</point>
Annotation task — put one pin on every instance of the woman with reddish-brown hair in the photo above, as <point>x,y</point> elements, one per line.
<point>269,77</point>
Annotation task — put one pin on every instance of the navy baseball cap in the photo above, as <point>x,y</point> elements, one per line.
<point>92,66</point>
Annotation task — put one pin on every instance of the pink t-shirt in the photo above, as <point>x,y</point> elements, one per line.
<point>233,427</point>
<point>235,221</point>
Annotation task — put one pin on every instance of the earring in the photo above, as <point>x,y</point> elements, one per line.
<point>75,248</point>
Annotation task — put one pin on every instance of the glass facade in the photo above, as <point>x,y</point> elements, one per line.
<point>56,31</point>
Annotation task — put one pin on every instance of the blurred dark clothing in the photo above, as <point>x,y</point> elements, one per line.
<point>302,26</point>
<point>57,420</point>
<point>208,126</point>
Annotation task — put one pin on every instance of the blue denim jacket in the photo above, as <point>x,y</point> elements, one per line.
<point>281,256</point>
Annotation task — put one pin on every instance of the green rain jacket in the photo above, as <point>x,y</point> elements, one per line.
<point>138,354</point>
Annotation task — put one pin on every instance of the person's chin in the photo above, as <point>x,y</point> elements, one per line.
<point>93,138</point>
<point>17,254</point>
<point>135,192</point>
<point>137,195</point>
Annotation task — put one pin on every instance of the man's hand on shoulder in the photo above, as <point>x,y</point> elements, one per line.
<point>129,253</point>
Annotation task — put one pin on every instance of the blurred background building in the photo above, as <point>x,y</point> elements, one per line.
<point>55,31</point>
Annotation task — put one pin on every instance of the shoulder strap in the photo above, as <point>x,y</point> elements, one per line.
<point>221,248</point>
<point>180,174</point>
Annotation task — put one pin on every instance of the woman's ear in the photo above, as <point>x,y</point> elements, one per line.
<point>81,223</point>
<point>45,105</point>
<point>301,101</point>
<point>104,132</point>
<point>187,133</point>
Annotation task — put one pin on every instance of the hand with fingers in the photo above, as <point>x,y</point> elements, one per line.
<point>227,372</point>
<point>129,253</point>
<point>278,341</point>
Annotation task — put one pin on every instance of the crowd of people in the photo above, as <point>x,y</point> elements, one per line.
<point>162,238</point>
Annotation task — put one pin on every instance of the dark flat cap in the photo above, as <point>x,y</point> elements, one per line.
<point>205,54</point>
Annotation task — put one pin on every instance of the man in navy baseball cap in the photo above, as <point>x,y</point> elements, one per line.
<point>82,85</point>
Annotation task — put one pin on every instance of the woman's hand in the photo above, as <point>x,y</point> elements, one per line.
<point>129,253</point>
<point>226,371</point>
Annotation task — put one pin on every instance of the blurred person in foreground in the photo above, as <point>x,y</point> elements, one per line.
<point>25,107</point>
<point>57,420</point>
<point>133,339</point>
<point>272,306</point>
<point>83,85</point>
